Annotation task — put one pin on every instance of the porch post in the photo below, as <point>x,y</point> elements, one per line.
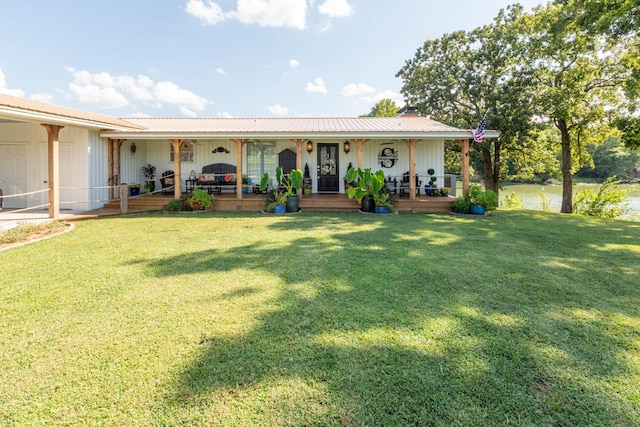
<point>53,132</point>
<point>360,145</point>
<point>112,191</point>
<point>298,143</point>
<point>466,181</point>
<point>177,191</point>
<point>238,143</point>
<point>412,167</point>
<point>116,144</point>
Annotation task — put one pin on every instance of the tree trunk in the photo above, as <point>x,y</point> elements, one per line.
<point>491,172</point>
<point>567,176</point>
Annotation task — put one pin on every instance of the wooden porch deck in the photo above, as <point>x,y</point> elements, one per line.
<point>312,203</point>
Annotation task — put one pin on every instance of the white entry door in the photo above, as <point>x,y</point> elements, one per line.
<point>13,173</point>
<point>66,175</point>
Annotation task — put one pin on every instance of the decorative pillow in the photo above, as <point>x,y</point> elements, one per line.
<point>207,177</point>
<point>227,178</point>
<point>201,177</point>
<point>168,181</point>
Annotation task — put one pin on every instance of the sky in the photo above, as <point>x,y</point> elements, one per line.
<point>222,58</point>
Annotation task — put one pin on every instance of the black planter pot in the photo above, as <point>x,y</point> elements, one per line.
<point>292,203</point>
<point>368,205</point>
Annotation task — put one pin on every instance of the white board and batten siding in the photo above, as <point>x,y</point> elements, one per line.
<point>24,165</point>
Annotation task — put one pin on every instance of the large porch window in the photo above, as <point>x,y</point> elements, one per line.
<point>186,152</point>
<point>261,158</point>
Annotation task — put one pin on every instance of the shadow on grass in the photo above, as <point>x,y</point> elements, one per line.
<point>421,320</point>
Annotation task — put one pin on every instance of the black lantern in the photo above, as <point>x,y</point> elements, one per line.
<point>347,147</point>
<point>309,147</point>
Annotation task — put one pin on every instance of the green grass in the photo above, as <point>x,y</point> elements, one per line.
<point>519,318</point>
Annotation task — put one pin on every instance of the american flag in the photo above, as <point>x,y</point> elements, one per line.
<point>478,134</point>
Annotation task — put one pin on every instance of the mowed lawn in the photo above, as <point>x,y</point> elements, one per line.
<point>519,318</point>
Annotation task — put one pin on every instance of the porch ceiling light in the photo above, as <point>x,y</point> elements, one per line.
<point>309,147</point>
<point>347,147</point>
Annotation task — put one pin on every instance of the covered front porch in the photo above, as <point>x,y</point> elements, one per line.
<point>315,202</point>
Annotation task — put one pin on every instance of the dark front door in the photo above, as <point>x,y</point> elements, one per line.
<point>328,179</point>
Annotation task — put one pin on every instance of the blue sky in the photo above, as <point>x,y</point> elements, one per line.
<point>222,58</point>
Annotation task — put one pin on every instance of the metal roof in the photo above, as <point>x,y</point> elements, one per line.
<point>349,127</point>
<point>21,109</point>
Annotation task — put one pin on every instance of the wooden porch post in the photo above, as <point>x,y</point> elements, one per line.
<point>411,143</point>
<point>466,180</point>
<point>298,143</point>
<point>177,190</point>
<point>238,143</point>
<point>115,146</point>
<point>112,191</point>
<point>53,132</point>
<point>360,145</point>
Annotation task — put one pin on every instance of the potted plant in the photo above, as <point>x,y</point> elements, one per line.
<point>292,183</point>
<point>149,172</point>
<point>199,199</point>
<point>428,188</point>
<point>444,191</point>
<point>134,190</point>
<point>277,199</point>
<point>245,184</point>
<point>461,205</point>
<point>306,176</point>
<point>307,189</point>
<point>365,185</point>
<point>482,200</point>
<point>383,202</point>
<point>275,202</point>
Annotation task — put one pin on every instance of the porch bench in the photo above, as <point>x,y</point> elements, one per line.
<point>217,177</point>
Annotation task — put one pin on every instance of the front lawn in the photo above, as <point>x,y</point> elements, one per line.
<point>519,318</point>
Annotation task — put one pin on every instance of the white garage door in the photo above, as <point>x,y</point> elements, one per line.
<point>13,173</point>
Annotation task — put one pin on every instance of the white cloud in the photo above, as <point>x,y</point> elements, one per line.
<point>219,70</point>
<point>317,86</point>
<point>137,115</point>
<point>42,97</point>
<point>210,13</point>
<point>272,13</point>
<point>186,112</point>
<point>4,89</point>
<point>335,8</point>
<point>293,63</point>
<point>277,110</point>
<point>99,96</point>
<point>394,96</point>
<point>356,89</point>
<point>112,91</point>
<point>266,13</point>
<point>170,93</point>
<point>225,115</point>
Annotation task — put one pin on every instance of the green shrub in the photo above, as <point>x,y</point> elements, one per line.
<point>605,203</point>
<point>486,198</point>
<point>175,205</point>
<point>512,201</point>
<point>545,203</point>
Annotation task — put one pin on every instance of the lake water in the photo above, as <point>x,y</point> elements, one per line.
<point>530,195</point>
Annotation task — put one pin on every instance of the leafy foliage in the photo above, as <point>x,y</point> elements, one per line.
<point>461,76</point>
<point>201,197</point>
<point>486,198</point>
<point>364,183</point>
<point>384,108</point>
<point>605,203</point>
<point>513,201</point>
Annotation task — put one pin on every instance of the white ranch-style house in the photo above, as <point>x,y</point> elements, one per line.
<point>54,158</point>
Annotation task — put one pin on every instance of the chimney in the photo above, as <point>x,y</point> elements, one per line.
<point>408,111</point>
